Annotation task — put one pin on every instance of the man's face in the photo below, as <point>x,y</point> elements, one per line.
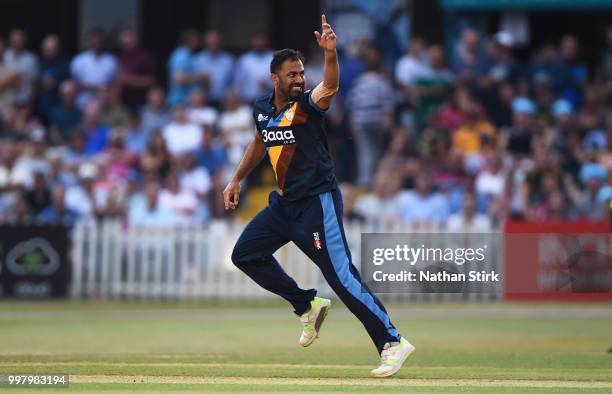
<point>290,80</point>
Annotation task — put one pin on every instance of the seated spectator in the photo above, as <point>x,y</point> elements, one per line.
<point>96,133</point>
<point>211,154</point>
<point>195,178</point>
<point>423,206</point>
<point>469,220</point>
<point>112,112</point>
<point>135,135</point>
<point>145,209</point>
<point>154,115</point>
<point>136,70</point>
<point>54,70</point>
<point>468,56</point>
<point>182,202</point>
<point>18,57</point>
<point>156,159</point>
<point>491,181</point>
<point>181,71</point>
<point>10,80</point>
<point>214,67</point>
<point>385,204</point>
<point>38,196</point>
<point>199,112</point>
<point>588,202</point>
<point>84,198</point>
<point>236,126</point>
<point>518,138</point>
<point>570,73</point>
<point>66,116</point>
<point>93,69</point>
<point>454,114</point>
<point>252,72</point>
<point>181,135</point>
<point>57,212</point>
<point>468,138</point>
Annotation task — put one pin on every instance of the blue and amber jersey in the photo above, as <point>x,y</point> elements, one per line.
<point>297,146</point>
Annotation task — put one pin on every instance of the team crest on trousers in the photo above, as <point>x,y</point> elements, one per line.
<point>317,241</point>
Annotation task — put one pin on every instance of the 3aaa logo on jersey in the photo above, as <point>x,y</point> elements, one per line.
<point>283,137</point>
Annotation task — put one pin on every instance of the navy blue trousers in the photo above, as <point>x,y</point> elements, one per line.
<point>314,224</point>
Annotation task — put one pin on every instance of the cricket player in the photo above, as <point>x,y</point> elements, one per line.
<point>308,208</point>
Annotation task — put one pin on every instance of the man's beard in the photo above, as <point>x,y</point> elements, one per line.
<point>292,92</point>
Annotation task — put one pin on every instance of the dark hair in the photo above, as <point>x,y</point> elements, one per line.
<point>282,55</point>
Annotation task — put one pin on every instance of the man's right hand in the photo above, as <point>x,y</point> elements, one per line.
<point>231,194</point>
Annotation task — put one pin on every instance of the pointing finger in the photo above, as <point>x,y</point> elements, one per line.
<point>323,20</point>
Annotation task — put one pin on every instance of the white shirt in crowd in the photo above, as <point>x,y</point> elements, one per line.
<point>479,224</point>
<point>91,69</point>
<point>204,116</point>
<point>237,129</point>
<point>182,138</point>
<point>381,210</point>
<point>197,180</point>
<point>490,184</point>
<point>251,69</point>
<point>27,64</point>
<point>182,204</point>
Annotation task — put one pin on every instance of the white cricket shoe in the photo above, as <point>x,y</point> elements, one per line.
<point>392,358</point>
<point>313,319</point>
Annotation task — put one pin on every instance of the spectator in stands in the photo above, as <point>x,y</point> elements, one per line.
<point>182,202</point>
<point>469,220</point>
<point>10,80</point>
<point>54,70</point>
<point>214,67</point>
<point>154,115</point>
<point>313,68</point>
<point>235,126</point>
<point>181,135</point>
<point>93,69</point>
<point>156,158</point>
<point>136,70</point>
<point>570,72</point>
<point>408,69</point>
<point>181,68</point>
<point>136,136</point>
<point>84,198</point>
<point>518,139</point>
<point>370,105</point>
<point>57,212</point>
<point>18,57</point>
<point>386,203</point>
<point>38,196</point>
<point>454,113</point>
<point>468,57</point>
<point>112,111</point>
<point>199,112</point>
<point>424,208</point>
<point>589,202</point>
<point>65,116</point>
<point>211,154</point>
<point>196,179</point>
<point>146,211</point>
<point>252,73</point>
<point>95,132</point>
<point>433,86</point>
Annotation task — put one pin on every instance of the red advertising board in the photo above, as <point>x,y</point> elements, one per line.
<point>558,261</point>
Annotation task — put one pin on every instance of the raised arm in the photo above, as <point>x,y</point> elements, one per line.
<point>253,155</point>
<point>323,93</point>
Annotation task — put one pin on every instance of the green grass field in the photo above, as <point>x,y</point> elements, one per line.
<point>148,348</point>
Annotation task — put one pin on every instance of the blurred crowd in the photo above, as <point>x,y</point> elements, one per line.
<point>464,136</point>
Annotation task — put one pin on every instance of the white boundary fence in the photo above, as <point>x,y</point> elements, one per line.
<point>111,261</point>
